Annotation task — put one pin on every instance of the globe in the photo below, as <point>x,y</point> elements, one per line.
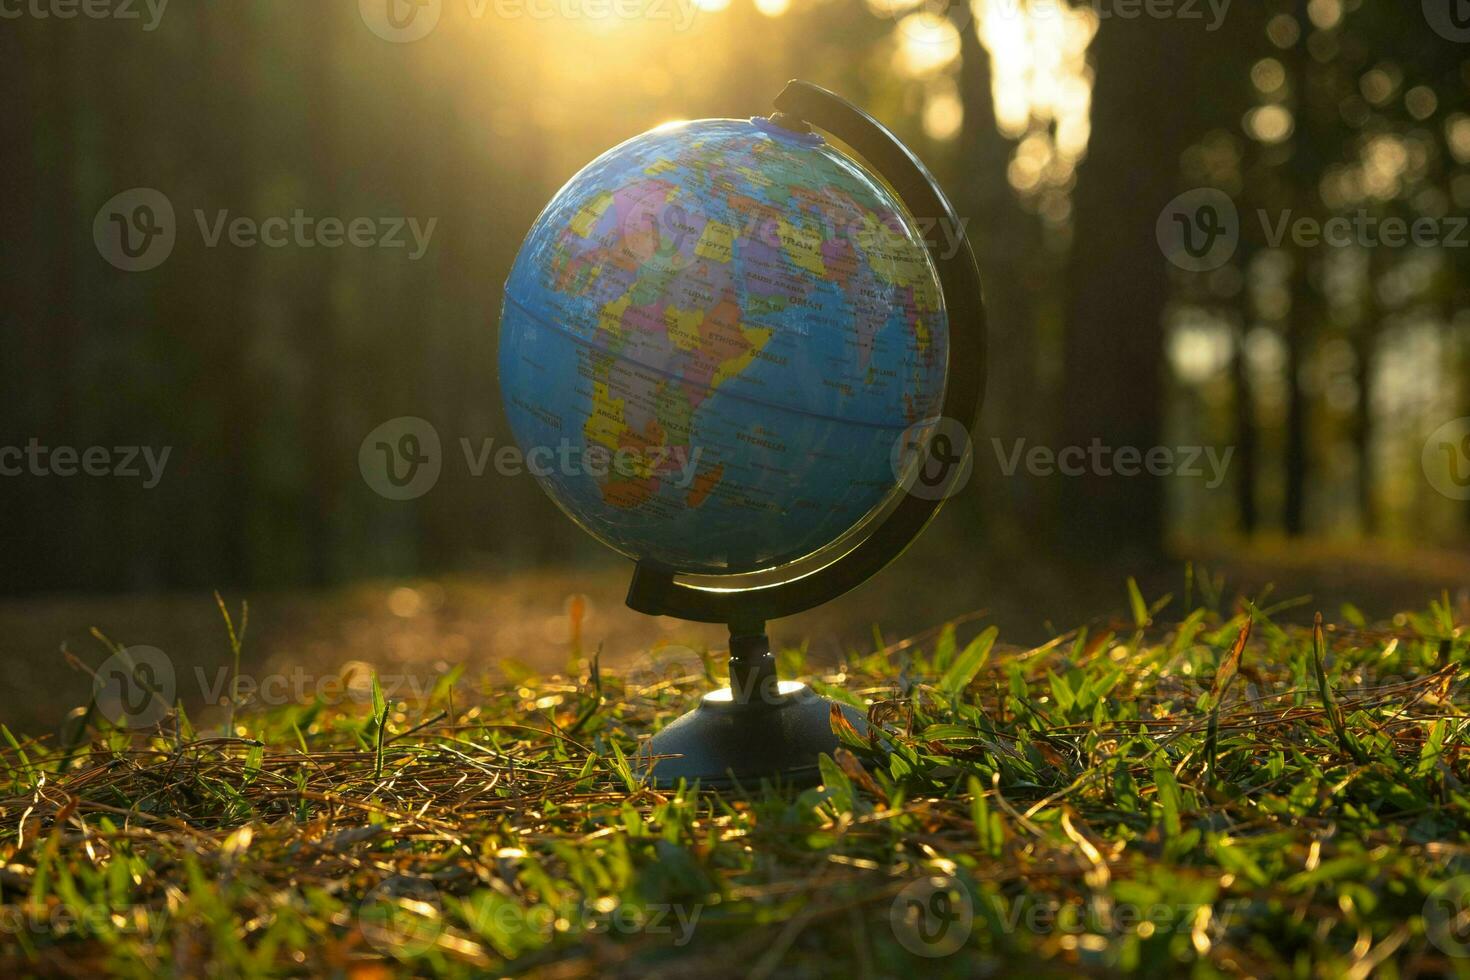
<point>714,338</point>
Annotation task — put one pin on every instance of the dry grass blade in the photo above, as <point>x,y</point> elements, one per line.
<point>1223,678</point>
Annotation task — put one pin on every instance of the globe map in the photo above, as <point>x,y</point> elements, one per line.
<point>715,335</point>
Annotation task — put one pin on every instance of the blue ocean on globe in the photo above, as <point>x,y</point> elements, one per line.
<point>713,338</point>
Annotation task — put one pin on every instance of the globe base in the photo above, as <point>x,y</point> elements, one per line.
<point>737,738</point>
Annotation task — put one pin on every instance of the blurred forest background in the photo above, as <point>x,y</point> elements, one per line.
<point>1060,130</point>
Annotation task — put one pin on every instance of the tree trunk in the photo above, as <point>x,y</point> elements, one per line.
<point>316,321</point>
<point>228,54</point>
<point>1247,436</point>
<point>1298,328</point>
<point>1113,363</point>
<point>1003,236</point>
<point>1365,350</point>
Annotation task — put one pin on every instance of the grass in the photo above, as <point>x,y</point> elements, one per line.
<point>1194,789</point>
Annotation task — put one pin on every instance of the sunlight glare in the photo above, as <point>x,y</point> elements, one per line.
<point>1041,86</point>
<point>1457,134</point>
<point>927,43</point>
<point>891,8</point>
<point>944,114</point>
<point>1270,124</point>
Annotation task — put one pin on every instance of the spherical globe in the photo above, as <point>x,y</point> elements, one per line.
<point>712,339</point>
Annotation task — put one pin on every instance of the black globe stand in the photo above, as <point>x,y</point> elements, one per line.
<point>760,727</point>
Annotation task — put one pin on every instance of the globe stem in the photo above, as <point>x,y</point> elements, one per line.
<point>752,667</point>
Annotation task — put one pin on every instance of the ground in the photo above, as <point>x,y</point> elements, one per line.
<point>414,630</point>
<point>1202,784</point>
